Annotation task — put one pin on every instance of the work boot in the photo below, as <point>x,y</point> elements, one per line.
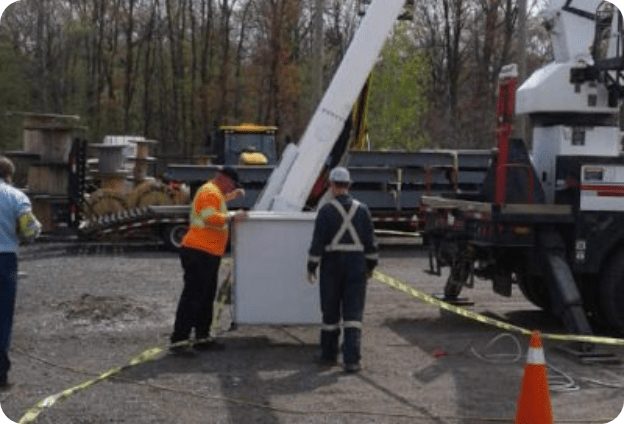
<point>352,345</point>
<point>352,367</point>
<point>182,348</point>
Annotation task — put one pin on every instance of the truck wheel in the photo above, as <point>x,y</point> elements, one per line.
<point>535,290</point>
<point>611,296</point>
<point>172,235</point>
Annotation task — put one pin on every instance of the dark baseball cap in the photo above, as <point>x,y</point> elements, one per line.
<point>232,174</point>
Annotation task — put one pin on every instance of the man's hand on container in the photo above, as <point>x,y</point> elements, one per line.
<point>311,268</point>
<point>239,216</point>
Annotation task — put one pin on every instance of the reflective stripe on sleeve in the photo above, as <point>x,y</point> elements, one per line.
<point>207,213</point>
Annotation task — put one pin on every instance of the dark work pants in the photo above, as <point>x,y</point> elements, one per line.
<point>343,294</point>
<point>195,308</point>
<point>8,289</point>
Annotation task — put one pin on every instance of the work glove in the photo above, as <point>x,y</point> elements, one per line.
<point>312,272</point>
<point>370,267</point>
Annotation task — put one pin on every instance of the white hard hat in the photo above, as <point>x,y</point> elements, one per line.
<point>339,175</point>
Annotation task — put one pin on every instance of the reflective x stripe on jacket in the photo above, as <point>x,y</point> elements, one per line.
<point>346,227</point>
<point>208,229</point>
<point>343,225</point>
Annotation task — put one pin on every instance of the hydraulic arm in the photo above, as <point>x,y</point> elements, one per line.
<point>292,180</point>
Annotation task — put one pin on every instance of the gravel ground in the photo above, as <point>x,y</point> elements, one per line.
<point>82,312</point>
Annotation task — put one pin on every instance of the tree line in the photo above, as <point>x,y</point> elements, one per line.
<point>175,70</point>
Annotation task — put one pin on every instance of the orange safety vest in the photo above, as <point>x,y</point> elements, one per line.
<point>208,229</point>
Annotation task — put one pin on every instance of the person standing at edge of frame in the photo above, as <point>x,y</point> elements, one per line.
<point>202,248</point>
<point>344,245</point>
<point>16,222</point>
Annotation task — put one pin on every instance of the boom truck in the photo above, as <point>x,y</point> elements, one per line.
<point>550,222</point>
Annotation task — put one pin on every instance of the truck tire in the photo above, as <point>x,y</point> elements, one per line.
<point>535,290</point>
<point>611,295</point>
<point>172,235</point>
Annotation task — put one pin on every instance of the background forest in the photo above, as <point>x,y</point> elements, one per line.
<point>174,70</point>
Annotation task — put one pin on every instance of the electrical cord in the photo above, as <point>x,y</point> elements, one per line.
<point>499,358</point>
<point>558,380</point>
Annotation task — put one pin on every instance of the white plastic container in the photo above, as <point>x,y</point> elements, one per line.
<point>270,252</point>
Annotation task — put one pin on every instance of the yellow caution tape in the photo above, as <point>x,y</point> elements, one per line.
<point>401,286</point>
<point>147,355</point>
<point>50,401</point>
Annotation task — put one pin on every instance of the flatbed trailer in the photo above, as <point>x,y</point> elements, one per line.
<point>390,183</point>
<point>169,223</point>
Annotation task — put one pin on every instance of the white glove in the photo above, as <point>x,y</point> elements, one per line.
<point>311,277</point>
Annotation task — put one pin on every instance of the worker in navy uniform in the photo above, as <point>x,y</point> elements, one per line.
<point>344,246</point>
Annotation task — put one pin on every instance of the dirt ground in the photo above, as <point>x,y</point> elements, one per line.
<point>81,313</point>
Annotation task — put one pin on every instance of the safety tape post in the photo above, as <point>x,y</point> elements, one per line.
<point>402,286</point>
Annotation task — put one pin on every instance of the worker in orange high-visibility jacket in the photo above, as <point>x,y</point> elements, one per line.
<point>200,254</point>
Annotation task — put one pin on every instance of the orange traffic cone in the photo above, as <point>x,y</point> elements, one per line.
<point>534,402</point>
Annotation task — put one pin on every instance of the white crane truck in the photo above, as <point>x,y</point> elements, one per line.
<point>550,222</point>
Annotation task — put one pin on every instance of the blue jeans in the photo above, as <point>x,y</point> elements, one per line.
<point>8,289</point>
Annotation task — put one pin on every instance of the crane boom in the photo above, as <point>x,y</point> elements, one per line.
<point>292,180</point>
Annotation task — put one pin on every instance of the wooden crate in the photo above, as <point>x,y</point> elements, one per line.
<point>48,178</point>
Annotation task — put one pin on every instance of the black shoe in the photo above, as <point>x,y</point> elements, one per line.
<point>325,362</point>
<point>182,350</point>
<point>352,367</point>
<point>208,344</point>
